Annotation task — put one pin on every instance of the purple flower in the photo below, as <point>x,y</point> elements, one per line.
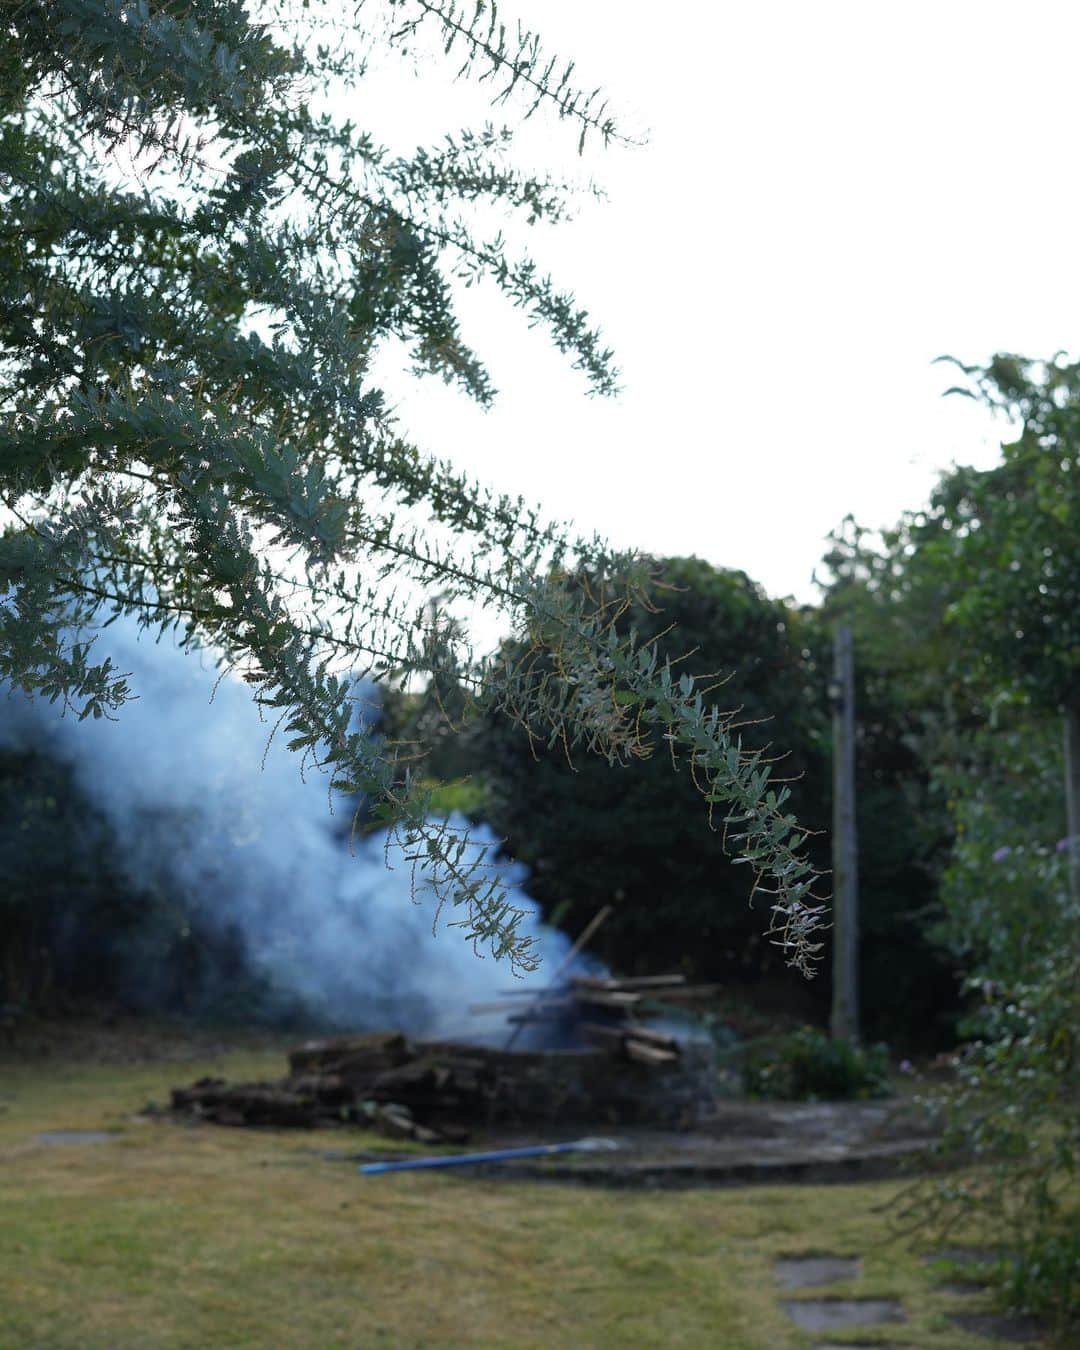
<point>1063,844</point>
<point>1000,854</point>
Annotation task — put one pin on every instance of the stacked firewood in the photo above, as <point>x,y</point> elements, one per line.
<point>381,1080</point>
<point>434,1091</point>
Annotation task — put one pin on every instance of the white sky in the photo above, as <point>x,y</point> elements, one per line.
<point>831,196</point>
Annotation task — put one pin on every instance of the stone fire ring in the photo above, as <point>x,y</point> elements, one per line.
<point>740,1144</point>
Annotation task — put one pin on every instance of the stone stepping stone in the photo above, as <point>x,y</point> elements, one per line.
<point>62,1137</point>
<point>804,1272</point>
<point>840,1314</point>
<point>962,1256</point>
<point>1000,1326</point>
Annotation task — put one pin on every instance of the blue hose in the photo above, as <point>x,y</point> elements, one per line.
<point>497,1155</point>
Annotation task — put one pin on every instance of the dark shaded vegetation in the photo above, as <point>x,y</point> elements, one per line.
<point>76,930</point>
<point>593,837</point>
<point>811,1066</point>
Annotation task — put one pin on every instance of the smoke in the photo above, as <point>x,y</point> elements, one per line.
<point>201,807</point>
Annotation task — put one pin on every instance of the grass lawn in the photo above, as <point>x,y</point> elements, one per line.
<point>198,1236</point>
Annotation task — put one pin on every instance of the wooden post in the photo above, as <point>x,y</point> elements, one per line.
<point>844,1023</point>
<point>1072,796</point>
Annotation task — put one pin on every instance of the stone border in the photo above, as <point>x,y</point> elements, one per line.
<point>884,1161</point>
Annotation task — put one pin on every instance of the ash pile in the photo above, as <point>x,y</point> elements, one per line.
<point>602,1065</point>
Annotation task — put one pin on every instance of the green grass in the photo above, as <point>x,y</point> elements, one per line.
<point>198,1236</point>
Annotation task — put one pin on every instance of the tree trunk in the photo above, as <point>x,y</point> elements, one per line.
<point>844,1023</point>
<point>1072,796</point>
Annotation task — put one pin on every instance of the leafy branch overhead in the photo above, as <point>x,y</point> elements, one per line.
<point>197,269</point>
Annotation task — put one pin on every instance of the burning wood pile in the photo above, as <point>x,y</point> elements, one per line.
<point>617,1071</point>
<point>601,1011</point>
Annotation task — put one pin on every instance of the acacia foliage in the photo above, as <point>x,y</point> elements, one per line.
<point>197,269</point>
<point>632,839</point>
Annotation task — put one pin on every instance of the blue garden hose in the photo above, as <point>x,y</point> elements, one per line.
<point>496,1155</point>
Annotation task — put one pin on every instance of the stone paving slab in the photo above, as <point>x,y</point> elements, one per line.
<point>65,1137</point>
<point>842,1314</point>
<point>740,1143</point>
<point>743,1143</point>
<point>962,1256</point>
<point>805,1272</point>
<point>1000,1326</point>
<point>706,1169</point>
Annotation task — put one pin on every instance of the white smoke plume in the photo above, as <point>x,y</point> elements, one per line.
<point>199,804</point>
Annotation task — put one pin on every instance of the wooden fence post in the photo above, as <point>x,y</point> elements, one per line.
<point>1072,796</point>
<point>844,1023</point>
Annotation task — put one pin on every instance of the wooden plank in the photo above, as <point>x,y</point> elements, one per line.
<point>595,998</point>
<point>592,981</point>
<point>615,1035</point>
<point>565,1001</point>
<point>627,984</point>
<point>650,1037</point>
<point>596,922</point>
<point>648,1054</point>
<point>647,1047</point>
<point>605,984</point>
<point>688,993</point>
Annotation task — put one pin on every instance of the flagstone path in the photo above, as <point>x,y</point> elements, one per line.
<point>830,1314</point>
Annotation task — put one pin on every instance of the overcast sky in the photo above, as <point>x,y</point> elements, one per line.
<point>830,196</point>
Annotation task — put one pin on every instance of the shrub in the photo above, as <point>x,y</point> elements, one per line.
<point>1010,1152</point>
<point>810,1066</point>
<point>1012,1114</point>
<point>1005,888</point>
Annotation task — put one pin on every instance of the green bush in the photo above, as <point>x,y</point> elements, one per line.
<point>1010,1153</point>
<point>1012,1117</point>
<point>464,797</point>
<point>810,1066</point>
<point>1005,887</point>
